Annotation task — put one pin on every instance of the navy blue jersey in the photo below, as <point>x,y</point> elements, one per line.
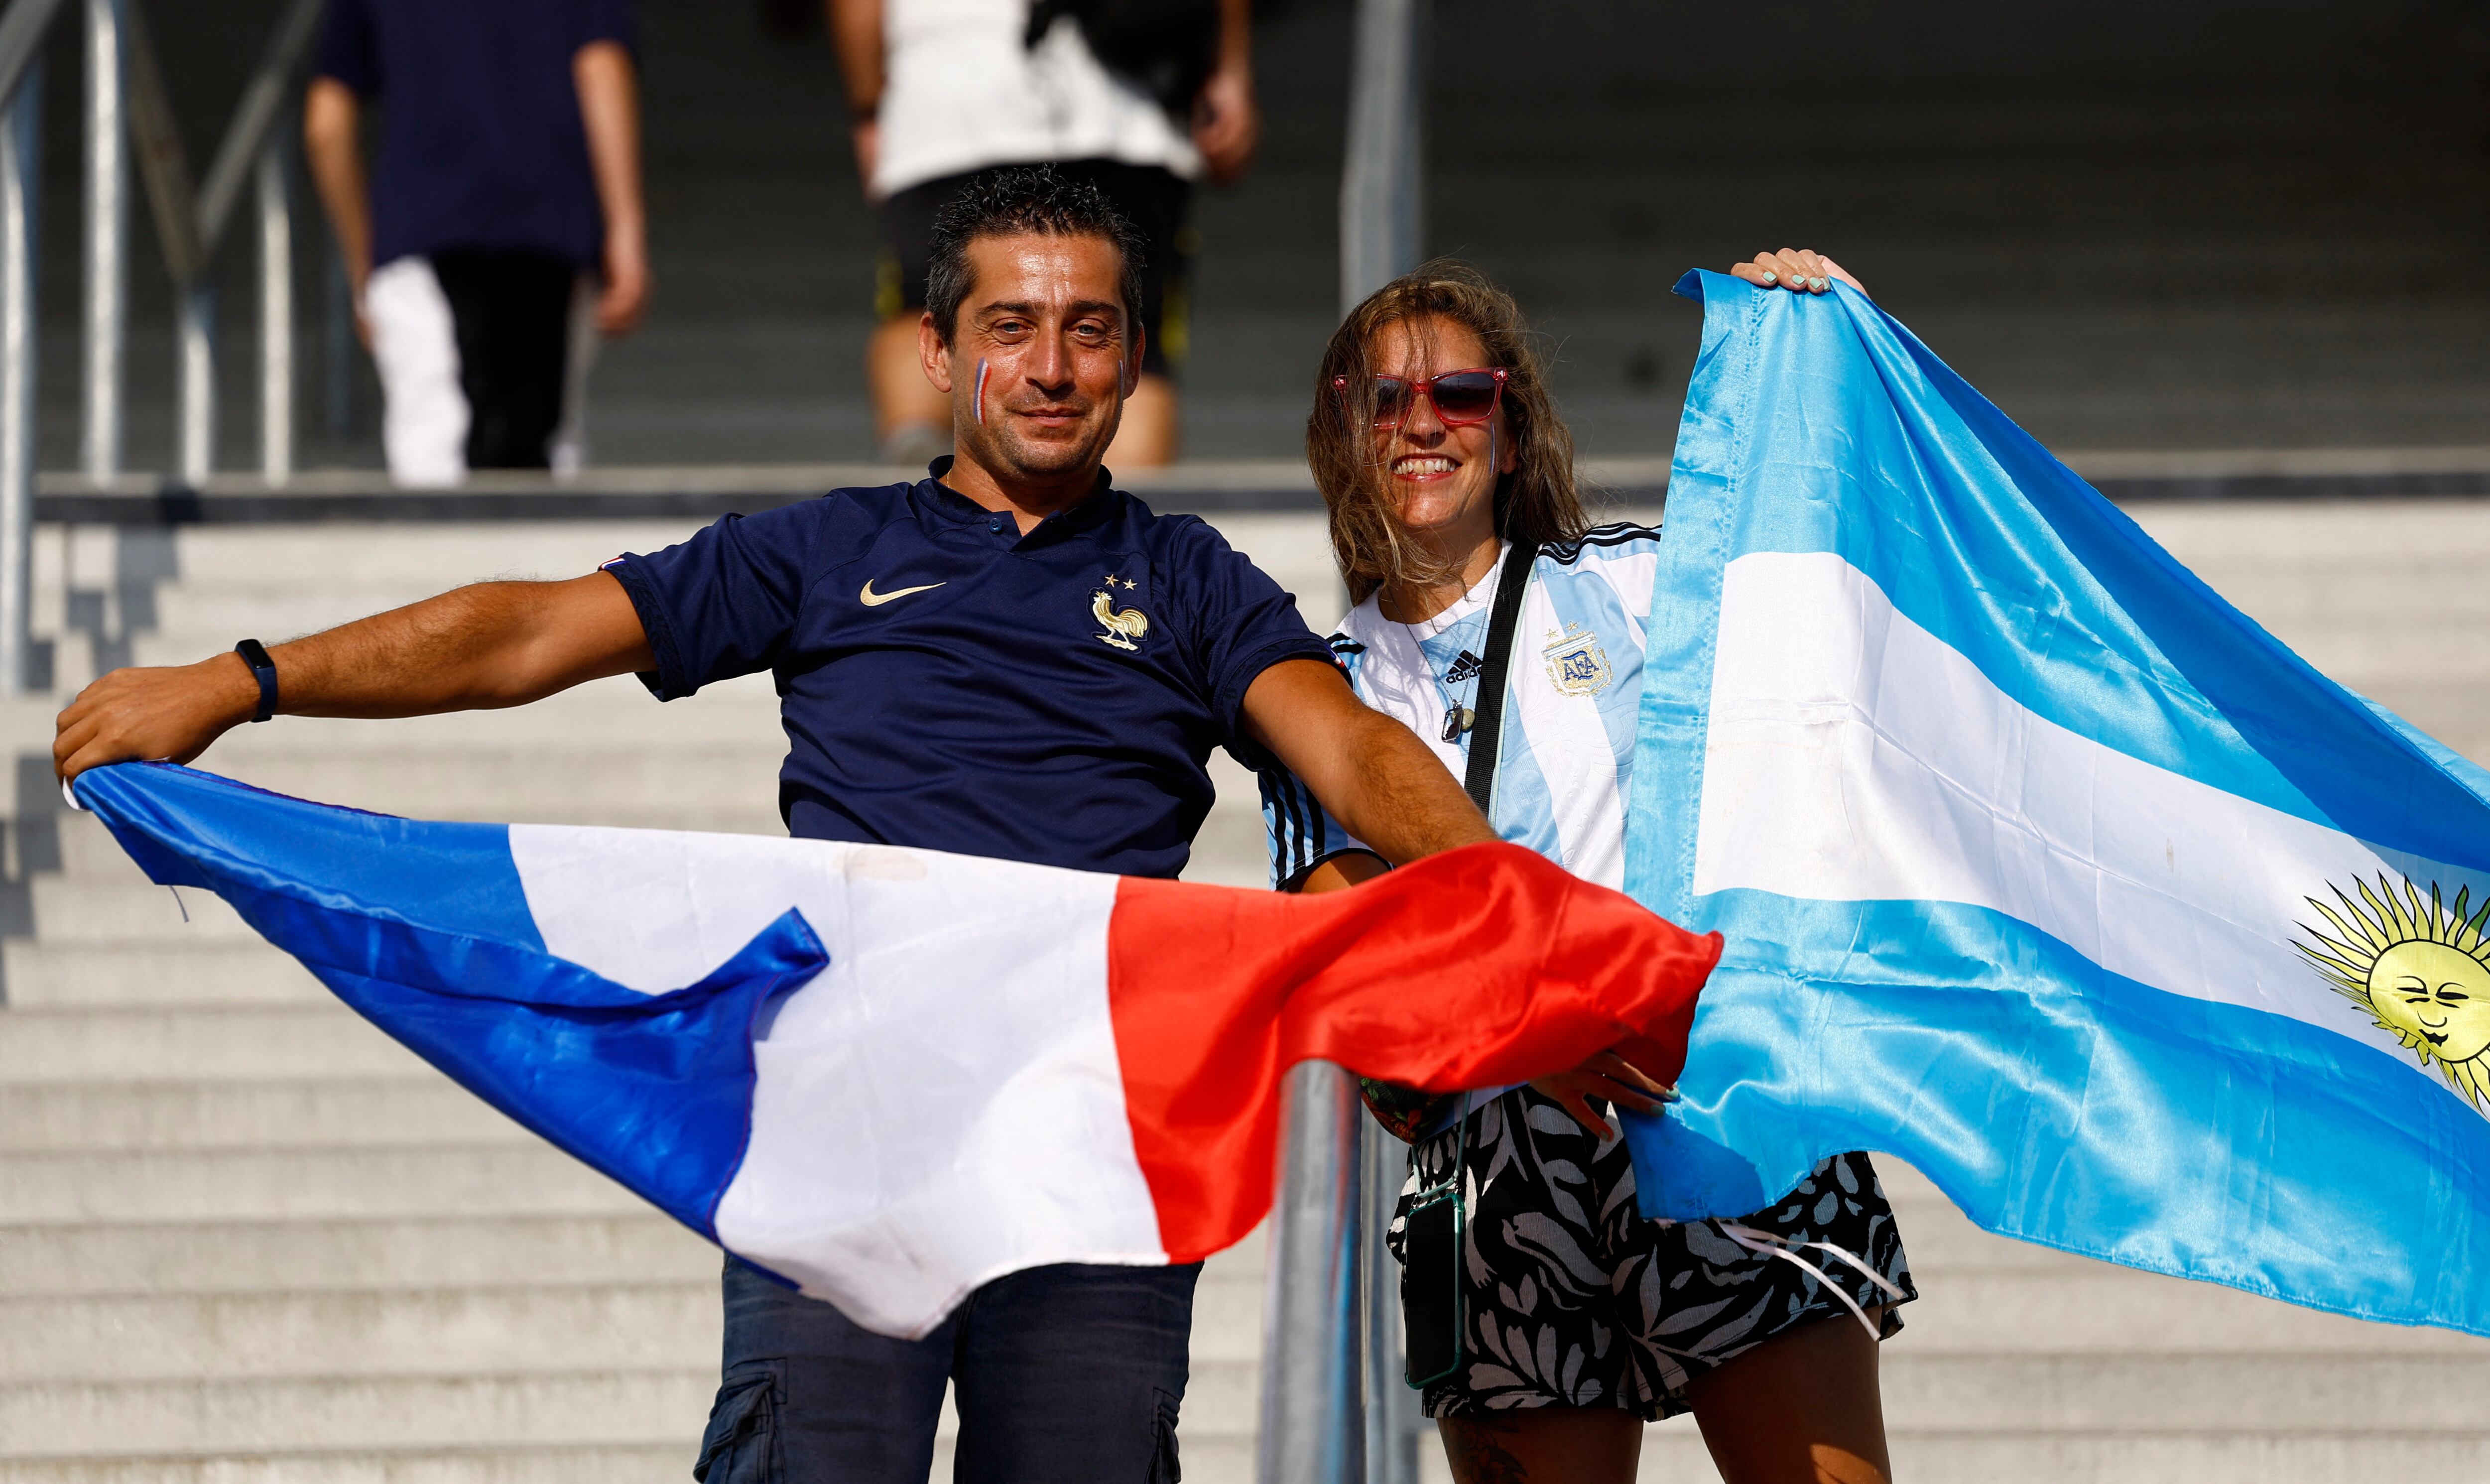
<point>949,684</point>
<point>482,144</point>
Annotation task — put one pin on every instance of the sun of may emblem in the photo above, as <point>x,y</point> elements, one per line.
<point>1123,626</point>
<point>2419,968</point>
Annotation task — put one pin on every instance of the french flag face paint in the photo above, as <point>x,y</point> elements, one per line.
<point>981,392</point>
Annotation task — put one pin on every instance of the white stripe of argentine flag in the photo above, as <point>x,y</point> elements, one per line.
<point>1855,756</point>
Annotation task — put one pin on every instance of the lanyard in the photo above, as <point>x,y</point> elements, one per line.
<point>1504,619</point>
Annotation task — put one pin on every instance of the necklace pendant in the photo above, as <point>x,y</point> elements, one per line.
<point>1459,719</point>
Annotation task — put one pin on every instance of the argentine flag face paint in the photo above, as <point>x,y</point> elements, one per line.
<point>2040,866</point>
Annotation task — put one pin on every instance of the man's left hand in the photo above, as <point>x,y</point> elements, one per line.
<point>1609,1076</point>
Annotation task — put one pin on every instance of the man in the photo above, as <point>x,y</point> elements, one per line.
<point>1139,99</point>
<point>1009,659</point>
<point>508,179</point>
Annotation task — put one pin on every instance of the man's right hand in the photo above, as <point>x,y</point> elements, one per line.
<point>171,713</point>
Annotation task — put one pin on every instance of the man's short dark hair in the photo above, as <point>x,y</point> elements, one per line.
<point>1032,199</point>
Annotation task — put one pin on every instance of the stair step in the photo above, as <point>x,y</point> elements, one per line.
<point>89,911</point>
<point>2100,1394</point>
<point>457,1331</point>
<point>333,1413</point>
<point>1210,1459</point>
<point>446,1331</point>
<point>2100,1309</point>
<point>1673,1454</point>
<point>198,1043</point>
<point>600,1409</point>
<point>175,972</point>
<point>268,1115</point>
<point>305,1256</point>
<point>492,1180</point>
<point>544,1464</point>
<point>141,1259</point>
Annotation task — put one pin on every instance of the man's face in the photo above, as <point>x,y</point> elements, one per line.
<point>1041,357</point>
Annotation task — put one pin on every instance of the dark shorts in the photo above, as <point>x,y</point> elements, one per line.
<point>1061,1374</point>
<point>1153,199</point>
<point>1573,1299</point>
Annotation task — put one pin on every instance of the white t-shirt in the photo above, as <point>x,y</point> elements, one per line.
<point>961,93</point>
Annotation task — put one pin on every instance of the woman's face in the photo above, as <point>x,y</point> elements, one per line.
<point>1441,479</point>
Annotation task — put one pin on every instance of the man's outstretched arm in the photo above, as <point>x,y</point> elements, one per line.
<point>492,645</point>
<point>1372,772</point>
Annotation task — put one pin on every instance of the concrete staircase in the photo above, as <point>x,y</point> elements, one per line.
<point>245,1239</point>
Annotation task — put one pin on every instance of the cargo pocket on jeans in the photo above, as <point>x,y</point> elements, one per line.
<point>741,1444</point>
<point>1164,1467</point>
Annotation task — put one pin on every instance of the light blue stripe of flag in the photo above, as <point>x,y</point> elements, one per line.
<point>2052,1098</point>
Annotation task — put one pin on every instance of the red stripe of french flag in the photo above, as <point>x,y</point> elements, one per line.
<point>1477,968</point>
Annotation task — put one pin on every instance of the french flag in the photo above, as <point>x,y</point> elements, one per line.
<point>890,1075</point>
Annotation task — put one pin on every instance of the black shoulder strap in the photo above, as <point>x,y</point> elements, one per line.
<point>1487,730</point>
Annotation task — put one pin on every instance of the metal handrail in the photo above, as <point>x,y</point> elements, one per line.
<point>1335,1406</point>
<point>190,224</point>
<point>21,120</point>
<point>262,104</point>
<point>130,115</point>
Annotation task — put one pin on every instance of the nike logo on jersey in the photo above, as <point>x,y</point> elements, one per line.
<point>872,599</point>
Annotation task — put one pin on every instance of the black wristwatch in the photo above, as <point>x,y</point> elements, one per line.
<point>264,670</point>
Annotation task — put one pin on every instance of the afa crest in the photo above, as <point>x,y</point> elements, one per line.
<point>1125,627</point>
<point>2421,969</point>
<point>1576,665</point>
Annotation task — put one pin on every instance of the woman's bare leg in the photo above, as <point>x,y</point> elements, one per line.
<point>1801,1408</point>
<point>1544,1446</point>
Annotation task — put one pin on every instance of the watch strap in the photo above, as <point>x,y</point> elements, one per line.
<point>264,670</point>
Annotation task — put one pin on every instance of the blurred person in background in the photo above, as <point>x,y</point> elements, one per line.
<point>503,229</point>
<point>1139,98</point>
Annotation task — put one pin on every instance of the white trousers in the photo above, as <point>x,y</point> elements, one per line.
<point>424,414</point>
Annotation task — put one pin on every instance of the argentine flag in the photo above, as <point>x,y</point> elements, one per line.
<point>2038,864</point>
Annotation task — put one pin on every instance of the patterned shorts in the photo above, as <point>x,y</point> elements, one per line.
<point>1573,1299</point>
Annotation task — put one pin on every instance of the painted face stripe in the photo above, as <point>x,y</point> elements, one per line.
<point>981,393</point>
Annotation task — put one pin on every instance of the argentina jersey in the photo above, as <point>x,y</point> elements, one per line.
<point>1571,698</point>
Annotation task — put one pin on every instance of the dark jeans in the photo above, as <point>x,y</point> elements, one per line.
<point>1064,1375</point>
<point>512,314</point>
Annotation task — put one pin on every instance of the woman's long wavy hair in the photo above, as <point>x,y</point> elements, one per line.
<point>1536,502</point>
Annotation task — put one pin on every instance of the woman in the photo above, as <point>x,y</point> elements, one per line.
<point>1436,445</point>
